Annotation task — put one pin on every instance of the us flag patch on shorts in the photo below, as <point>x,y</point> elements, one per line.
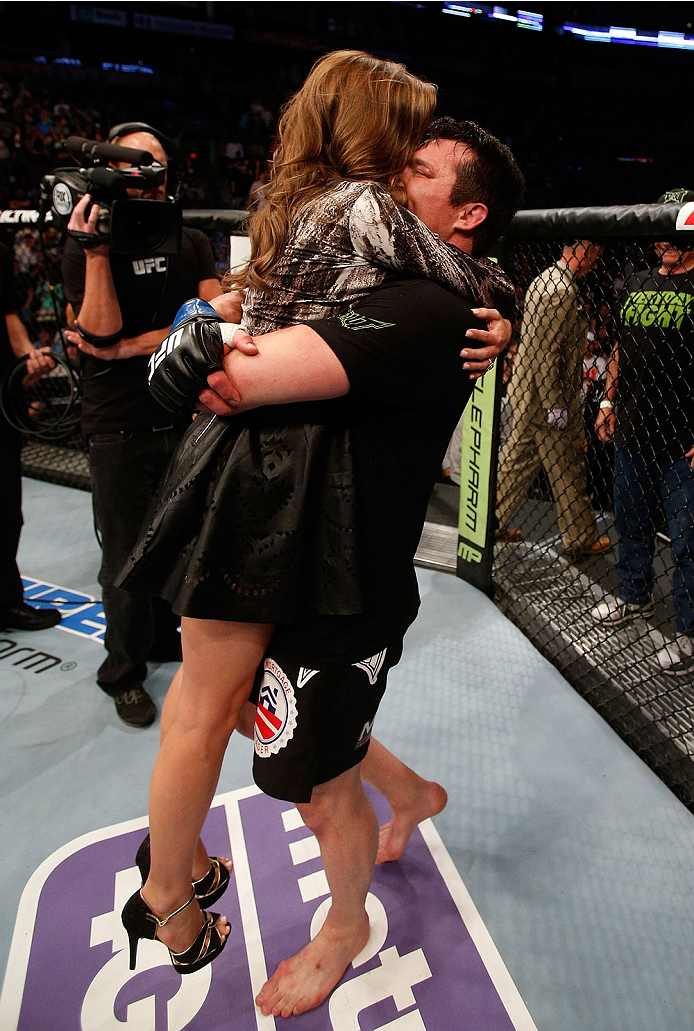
<point>275,718</point>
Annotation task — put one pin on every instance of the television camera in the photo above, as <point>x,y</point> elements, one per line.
<point>130,225</point>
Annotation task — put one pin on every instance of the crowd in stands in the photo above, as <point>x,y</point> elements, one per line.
<point>36,119</point>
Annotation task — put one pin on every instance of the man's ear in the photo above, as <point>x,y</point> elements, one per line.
<point>471,215</point>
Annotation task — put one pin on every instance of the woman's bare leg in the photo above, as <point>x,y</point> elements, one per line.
<point>410,797</point>
<point>168,709</point>
<point>219,664</point>
<point>201,860</point>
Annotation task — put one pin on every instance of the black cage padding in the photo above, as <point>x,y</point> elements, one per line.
<point>209,219</point>
<point>655,221</point>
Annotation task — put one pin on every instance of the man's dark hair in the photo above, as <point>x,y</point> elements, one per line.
<point>491,177</point>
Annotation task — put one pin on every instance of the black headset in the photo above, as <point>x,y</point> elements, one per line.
<point>125,128</point>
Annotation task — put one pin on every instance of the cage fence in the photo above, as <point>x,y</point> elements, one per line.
<point>594,530</point>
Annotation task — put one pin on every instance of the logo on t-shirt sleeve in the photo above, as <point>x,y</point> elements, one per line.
<point>351,320</point>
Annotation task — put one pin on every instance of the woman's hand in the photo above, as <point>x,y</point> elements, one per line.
<point>495,337</point>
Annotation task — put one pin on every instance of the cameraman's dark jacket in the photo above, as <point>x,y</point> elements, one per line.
<point>150,291</point>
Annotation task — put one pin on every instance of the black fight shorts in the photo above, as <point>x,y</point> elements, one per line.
<point>312,725</point>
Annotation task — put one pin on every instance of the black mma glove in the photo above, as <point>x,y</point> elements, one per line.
<point>194,348</point>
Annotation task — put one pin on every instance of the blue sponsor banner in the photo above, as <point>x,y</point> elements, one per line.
<point>82,614</point>
<point>429,964</point>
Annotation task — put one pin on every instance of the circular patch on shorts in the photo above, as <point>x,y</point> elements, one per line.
<point>275,717</point>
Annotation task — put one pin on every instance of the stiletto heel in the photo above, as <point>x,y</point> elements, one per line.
<point>208,890</point>
<point>133,940</point>
<point>140,922</point>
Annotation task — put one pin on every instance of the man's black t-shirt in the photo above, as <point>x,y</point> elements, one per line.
<point>150,291</point>
<point>400,348</point>
<point>655,408</point>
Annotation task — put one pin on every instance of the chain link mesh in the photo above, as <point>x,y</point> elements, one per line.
<point>594,556</point>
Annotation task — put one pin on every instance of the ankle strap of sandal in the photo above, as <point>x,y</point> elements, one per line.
<point>162,923</point>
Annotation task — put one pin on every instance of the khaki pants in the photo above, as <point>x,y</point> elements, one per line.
<point>560,452</point>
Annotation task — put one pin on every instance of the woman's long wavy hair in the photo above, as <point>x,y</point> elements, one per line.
<point>355,118</point>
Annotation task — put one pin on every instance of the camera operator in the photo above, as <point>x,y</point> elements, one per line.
<point>15,614</point>
<point>124,305</point>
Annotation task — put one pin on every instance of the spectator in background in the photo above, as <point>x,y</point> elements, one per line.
<point>234,149</point>
<point>26,253</point>
<point>648,411</point>
<point>598,458</point>
<point>15,614</point>
<point>545,396</point>
<point>61,108</point>
<point>44,122</point>
<point>241,178</point>
<point>595,360</point>
<point>255,129</point>
<point>256,198</point>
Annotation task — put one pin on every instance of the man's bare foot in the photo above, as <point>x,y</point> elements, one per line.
<point>427,801</point>
<point>305,980</point>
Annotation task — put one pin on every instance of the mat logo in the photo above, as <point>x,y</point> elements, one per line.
<point>27,658</point>
<point>421,970</point>
<point>82,614</point>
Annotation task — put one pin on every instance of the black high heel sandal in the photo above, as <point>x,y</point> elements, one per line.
<point>140,922</point>
<point>208,890</point>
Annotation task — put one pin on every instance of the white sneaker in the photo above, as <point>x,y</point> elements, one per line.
<point>677,657</point>
<point>615,611</point>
